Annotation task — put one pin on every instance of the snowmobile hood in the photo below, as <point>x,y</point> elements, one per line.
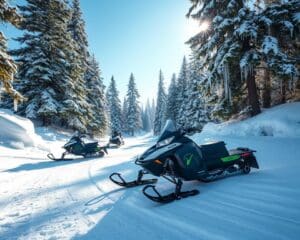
<point>70,142</point>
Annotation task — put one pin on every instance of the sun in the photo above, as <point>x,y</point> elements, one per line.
<point>203,26</point>
<point>193,27</point>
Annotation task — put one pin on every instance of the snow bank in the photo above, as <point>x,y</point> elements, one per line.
<point>17,132</point>
<point>279,121</point>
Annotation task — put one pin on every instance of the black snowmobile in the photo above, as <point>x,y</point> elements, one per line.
<point>116,140</point>
<point>177,158</point>
<point>77,146</point>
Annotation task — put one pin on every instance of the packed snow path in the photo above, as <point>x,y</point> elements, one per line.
<point>42,199</point>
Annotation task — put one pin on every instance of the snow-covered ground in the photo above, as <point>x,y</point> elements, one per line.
<point>42,199</point>
<point>17,132</point>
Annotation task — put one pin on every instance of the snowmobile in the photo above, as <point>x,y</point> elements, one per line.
<point>77,146</point>
<point>116,140</point>
<point>177,158</point>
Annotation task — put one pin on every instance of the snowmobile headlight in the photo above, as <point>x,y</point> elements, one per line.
<point>164,142</point>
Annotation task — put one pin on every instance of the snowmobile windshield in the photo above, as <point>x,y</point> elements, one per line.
<point>168,130</point>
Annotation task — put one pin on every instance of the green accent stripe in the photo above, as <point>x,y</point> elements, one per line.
<point>230,158</point>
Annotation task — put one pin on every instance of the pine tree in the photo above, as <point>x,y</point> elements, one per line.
<point>151,114</point>
<point>35,60</point>
<point>114,104</point>
<point>279,31</point>
<point>77,29</point>
<point>182,97</point>
<point>146,112</point>
<point>124,115</point>
<point>133,119</point>
<point>220,54</point>
<point>195,109</point>
<point>8,67</point>
<point>98,124</point>
<point>171,109</point>
<point>88,64</point>
<point>51,67</point>
<point>74,108</point>
<point>235,45</point>
<point>153,109</point>
<point>160,106</point>
<point>83,74</point>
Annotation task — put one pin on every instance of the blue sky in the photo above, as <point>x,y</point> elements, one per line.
<point>139,36</point>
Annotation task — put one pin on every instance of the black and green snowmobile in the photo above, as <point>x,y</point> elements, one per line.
<point>77,146</point>
<point>177,158</point>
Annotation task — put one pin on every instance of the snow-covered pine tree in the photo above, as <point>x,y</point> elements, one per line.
<point>51,67</point>
<point>90,68</point>
<point>195,109</point>
<point>221,55</point>
<point>151,114</point>
<point>160,106</point>
<point>278,37</point>
<point>143,117</point>
<point>8,67</point>
<point>98,124</point>
<point>265,46</point>
<point>133,117</point>
<point>124,115</point>
<point>146,112</point>
<point>237,36</point>
<point>114,103</point>
<point>153,108</point>
<point>171,109</point>
<point>77,30</point>
<point>35,68</point>
<point>73,110</point>
<point>182,97</point>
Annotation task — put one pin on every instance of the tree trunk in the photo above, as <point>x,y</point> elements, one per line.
<point>283,92</point>
<point>251,84</point>
<point>252,94</point>
<point>266,97</point>
<point>43,121</point>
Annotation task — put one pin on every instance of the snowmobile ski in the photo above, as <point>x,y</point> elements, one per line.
<point>177,195</point>
<point>87,156</point>
<point>121,182</point>
<point>51,157</point>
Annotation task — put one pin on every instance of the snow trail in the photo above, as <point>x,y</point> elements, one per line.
<point>42,199</point>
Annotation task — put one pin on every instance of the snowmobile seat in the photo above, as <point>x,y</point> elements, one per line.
<point>90,147</point>
<point>212,154</point>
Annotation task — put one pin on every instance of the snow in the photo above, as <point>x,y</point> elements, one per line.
<point>17,132</point>
<point>280,121</point>
<point>246,29</point>
<point>42,199</point>
<point>269,45</point>
<point>297,17</point>
<point>289,26</point>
